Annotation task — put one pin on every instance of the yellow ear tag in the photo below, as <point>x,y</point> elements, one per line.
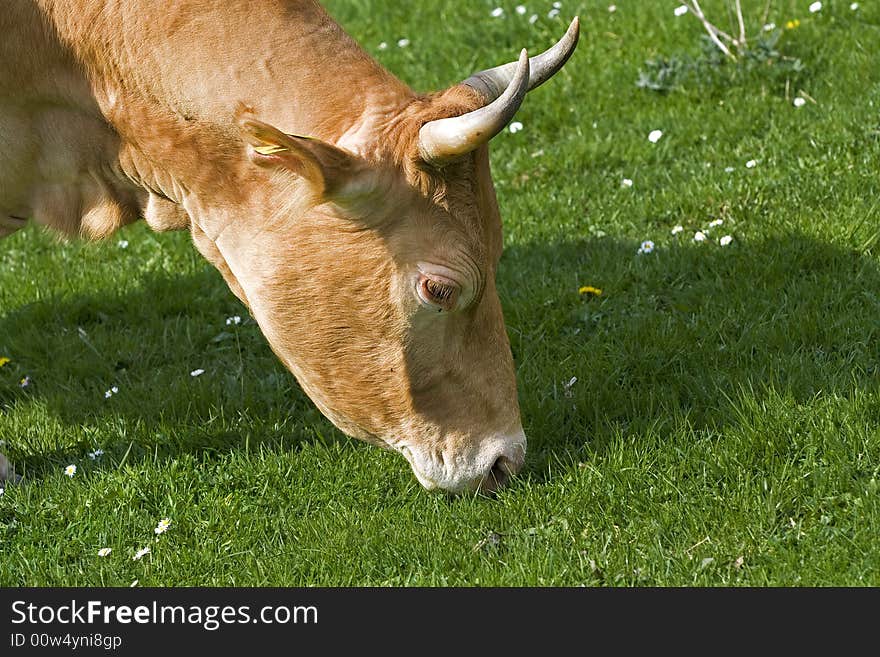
<point>269,149</point>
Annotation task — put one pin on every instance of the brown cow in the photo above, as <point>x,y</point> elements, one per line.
<point>356,219</point>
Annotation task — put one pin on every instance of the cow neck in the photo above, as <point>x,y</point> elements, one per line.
<point>169,83</point>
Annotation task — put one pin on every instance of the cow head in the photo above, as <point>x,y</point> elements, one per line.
<point>372,275</point>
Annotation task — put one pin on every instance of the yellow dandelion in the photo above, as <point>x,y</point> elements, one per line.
<point>589,290</point>
<point>790,25</point>
<point>4,360</point>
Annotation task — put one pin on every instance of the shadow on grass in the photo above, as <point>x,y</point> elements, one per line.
<point>682,335</point>
<point>147,346</point>
<point>676,333</point>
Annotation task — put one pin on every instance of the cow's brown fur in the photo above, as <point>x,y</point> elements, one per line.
<point>111,110</point>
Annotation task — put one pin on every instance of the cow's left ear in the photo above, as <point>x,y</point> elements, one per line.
<point>332,172</point>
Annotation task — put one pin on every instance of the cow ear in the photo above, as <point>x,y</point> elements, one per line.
<point>332,172</point>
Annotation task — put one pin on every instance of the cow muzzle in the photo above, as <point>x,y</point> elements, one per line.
<point>484,467</point>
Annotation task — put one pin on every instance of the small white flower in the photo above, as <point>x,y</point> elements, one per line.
<point>553,13</point>
<point>515,127</point>
<point>2,490</point>
<point>612,9</point>
<point>724,241</point>
<point>521,9</point>
<point>103,552</point>
<point>799,102</point>
<point>140,554</point>
<point>108,394</point>
<point>557,5</point>
<point>728,169</point>
<point>383,45</point>
<point>133,584</point>
<point>677,229</point>
<point>162,527</point>
<point>769,27</point>
<point>816,6</point>
<point>497,12</point>
<point>626,182</point>
<point>123,244</point>
<point>235,319</point>
<point>566,387</point>
<point>533,19</point>
<point>197,372</point>
<point>70,470</point>
<point>96,454</point>
<point>751,164</point>
<point>654,136</point>
<point>681,10</point>
<point>854,6</point>
<point>715,222</point>
<point>646,247</point>
<point>699,236</point>
<point>402,43</point>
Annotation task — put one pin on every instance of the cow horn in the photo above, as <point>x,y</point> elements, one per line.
<point>492,82</point>
<point>503,88</point>
<point>444,139</point>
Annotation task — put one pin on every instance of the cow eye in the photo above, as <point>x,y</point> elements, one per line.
<point>440,294</point>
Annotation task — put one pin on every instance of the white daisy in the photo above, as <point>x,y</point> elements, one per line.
<point>646,247</point>
<point>70,470</point>
<point>103,552</point>
<point>681,10</point>
<point>724,241</point>
<point>699,236</point>
<point>654,136</point>
<point>140,554</point>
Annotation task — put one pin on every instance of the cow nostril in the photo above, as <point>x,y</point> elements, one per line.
<point>498,475</point>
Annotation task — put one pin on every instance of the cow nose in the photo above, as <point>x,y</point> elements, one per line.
<point>503,468</point>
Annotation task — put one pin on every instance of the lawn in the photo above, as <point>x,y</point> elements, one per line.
<point>712,418</point>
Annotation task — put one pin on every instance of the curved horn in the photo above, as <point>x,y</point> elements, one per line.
<point>445,139</point>
<point>492,82</point>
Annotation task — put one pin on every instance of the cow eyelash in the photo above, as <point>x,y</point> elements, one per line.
<point>438,293</point>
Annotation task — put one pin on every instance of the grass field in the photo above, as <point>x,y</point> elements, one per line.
<point>723,425</point>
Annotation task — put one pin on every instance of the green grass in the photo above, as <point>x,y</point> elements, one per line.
<point>723,428</point>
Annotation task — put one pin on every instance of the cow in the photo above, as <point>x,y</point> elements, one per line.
<point>356,219</point>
